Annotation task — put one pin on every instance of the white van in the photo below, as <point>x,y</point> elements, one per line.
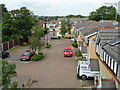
<point>84,71</point>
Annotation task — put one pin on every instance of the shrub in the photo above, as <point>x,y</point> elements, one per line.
<point>69,37</point>
<point>78,53</point>
<point>59,37</point>
<point>37,57</point>
<point>14,84</point>
<point>66,37</point>
<point>40,53</point>
<point>74,41</point>
<point>24,44</point>
<point>80,59</point>
<point>48,46</point>
<point>75,45</point>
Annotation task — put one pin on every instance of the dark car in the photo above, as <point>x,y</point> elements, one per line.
<point>27,55</point>
<point>4,54</point>
<point>54,37</point>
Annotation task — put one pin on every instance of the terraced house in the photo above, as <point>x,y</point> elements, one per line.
<point>100,41</point>
<point>107,50</point>
<point>86,32</point>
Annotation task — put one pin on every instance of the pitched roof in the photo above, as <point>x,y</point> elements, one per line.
<point>106,35</point>
<point>82,24</point>
<point>52,21</point>
<point>108,83</point>
<point>94,65</point>
<point>88,30</point>
<point>105,23</point>
<point>73,20</point>
<point>113,48</point>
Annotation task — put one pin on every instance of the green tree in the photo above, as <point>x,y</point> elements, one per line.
<point>63,27</point>
<point>68,26</point>
<point>7,25</point>
<point>8,71</point>
<point>104,12</point>
<point>22,21</point>
<point>35,39</point>
<point>17,23</point>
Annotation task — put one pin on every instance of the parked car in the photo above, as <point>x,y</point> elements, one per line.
<point>4,54</point>
<point>68,52</point>
<point>83,70</point>
<point>54,37</point>
<point>27,55</point>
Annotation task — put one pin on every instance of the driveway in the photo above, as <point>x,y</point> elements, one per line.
<point>54,71</point>
<point>16,54</point>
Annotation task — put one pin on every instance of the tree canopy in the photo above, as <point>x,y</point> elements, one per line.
<point>17,23</point>
<point>63,27</point>
<point>35,39</point>
<point>104,12</point>
<point>8,71</point>
<point>75,16</point>
<point>66,26</point>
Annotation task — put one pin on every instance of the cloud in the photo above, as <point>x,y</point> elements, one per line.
<point>57,7</point>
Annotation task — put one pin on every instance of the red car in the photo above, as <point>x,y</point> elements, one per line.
<point>27,55</point>
<point>68,52</point>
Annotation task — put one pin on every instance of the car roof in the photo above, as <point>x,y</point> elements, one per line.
<point>67,48</point>
<point>28,51</point>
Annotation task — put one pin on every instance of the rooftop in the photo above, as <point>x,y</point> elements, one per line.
<point>82,24</point>
<point>106,35</point>
<point>113,48</point>
<point>108,83</point>
<point>94,65</point>
<point>87,30</point>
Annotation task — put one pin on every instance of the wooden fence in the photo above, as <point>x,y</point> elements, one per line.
<point>10,44</point>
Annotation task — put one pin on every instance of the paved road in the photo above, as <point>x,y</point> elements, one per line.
<point>16,54</point>
<point>55,71</point>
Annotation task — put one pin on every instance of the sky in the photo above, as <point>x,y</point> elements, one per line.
<point>58,7</point>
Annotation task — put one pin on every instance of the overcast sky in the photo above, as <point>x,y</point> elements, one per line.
<point>57,7</point>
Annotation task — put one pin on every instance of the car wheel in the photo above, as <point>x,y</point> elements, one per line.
<point>83,77</point>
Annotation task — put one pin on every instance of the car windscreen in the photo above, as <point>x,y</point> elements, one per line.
<point>26,53</point>
<point>67,50</point>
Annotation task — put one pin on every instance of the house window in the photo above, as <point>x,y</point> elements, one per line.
<point>103,56</point>
<point>109,61</point>
<point>97,49</point>
<point>117,70</point>
<point>112,64</point>
<point>115,65</point>
<point>106,58</point>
